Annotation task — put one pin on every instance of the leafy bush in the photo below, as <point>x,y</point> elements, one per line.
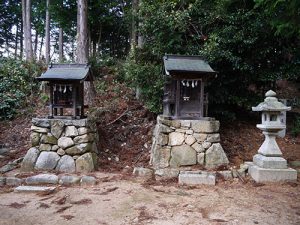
<point>16,85</point>
<point>148,78</point>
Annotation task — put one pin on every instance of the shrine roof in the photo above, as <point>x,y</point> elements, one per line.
<point>186,64</point>
<point>64,72</point>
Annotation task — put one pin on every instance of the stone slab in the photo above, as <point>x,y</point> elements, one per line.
<point>270,162</point>
<point>34,189</point>
<point>272,175</point>
<point>42,179</point>
<point>196,178</point>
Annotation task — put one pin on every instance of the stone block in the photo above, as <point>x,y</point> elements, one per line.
<point>270,162</point>
<point>161,157</point>
<point>49,139</point>
<point>69,180</point>
<point>200,158</point>
<point>189,132</point>
<point>60,152</point>
<point>57,127</point>
<point>197,178</point>
<point>80,123</point>
<point>215,156</point>
<point>71,131</point>
<point>47,161</point>
<point>183,155</point>
<point>185,123</point>
<point>66,164</point>
<point>74,150</point>
<point>206,144</point>
<point>39,129</point>
<point>162,139</point>
<point>35,139</point>
<point>176,138</point>
<point>190,139</point>
<point>34,189</point>
<point>160,128</point>
<point>30,159</point>
<point>272,175</point>
<point>84,138</point>
<point>65,142</point>
<point>54,148</point>
<point>42,179</point>
<point>205,126</point>
<point>88,180</point>
<point>200,137</point>
<point>226,174</point>
<point>166,173</point>
<point>85,163</point>
<point>213,138</point>
<point>45,147</point>
<point>83,130</point>
<point>198,147</point>
<point>40,122</point>
<point>181,130</point>
<point>13,181</point>
<point>142,172</point>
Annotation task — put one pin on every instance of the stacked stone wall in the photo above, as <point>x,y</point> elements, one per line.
<point>62,145</point>
<point>179,143</point>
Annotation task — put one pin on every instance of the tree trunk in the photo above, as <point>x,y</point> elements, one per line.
<point>21,39</point>
<point>24,27</point>
<point>133,24</point>
<point>36,40</point>
<point>82,46</point>
<point>29,51</point>
<point>140,41</point>
<point>16,41</point>
<point>41,47</point>
<point>61,45</point>
<point>82,40</point>
<point>47,33</point>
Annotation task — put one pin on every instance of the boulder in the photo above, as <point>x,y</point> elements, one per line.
<point>39,129</point>
<point>83,130</point>
<point>162,139</point>
<point>71,131</point>
<point>65,142</point>
<point>85,163</point>
<point>35,139</point>
<point>47,161</point>
<point>66,164</point>
<point>42,179</point>
<point>88,180</point>
<point>69,180</point>
<point>200,137</point>
<point>2,181</point>
<point>48,139</point>
<point>183,155</point>
<point>54,148</point>
<point>176,138</point>
<point>13,181</point>
<point>215,156</point>
<point>74,150</point>
<point>30,159</point>
<point>57,127</point>
<point>61,152</point>
<point>84,138</point>
<point>142,172</point>
<point>45,147</point>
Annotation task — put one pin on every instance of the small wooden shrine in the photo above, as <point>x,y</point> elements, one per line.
<point>184,91</point>
<point>66,88</point>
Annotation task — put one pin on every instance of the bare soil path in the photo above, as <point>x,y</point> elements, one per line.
<point>116,200</point>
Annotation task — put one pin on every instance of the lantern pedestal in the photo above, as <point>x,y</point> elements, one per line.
<point>268,165</point>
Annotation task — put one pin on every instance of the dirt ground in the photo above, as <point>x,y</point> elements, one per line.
<point>115,200</point>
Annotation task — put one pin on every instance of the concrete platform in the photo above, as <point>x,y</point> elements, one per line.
<point>272,175</point>
<point>270,162</point>
<point>34,189</point>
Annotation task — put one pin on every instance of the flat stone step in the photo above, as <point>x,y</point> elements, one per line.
<point>196,178</point>
<point>37,189</point>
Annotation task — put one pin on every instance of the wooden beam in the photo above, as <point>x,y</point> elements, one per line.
<point>201,98</point>
<point>177,99</point>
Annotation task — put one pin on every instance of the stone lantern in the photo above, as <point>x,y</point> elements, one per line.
<point>269,165</point>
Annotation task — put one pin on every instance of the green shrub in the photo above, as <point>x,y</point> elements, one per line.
<point>16,85</point>
<point>148,78</point>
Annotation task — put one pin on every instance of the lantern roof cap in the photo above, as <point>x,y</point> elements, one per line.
<point>271,103</point>
<point>186,64</point>
<point>64,72</point>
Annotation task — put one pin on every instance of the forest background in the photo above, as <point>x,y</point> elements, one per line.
<point>251,43</point>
